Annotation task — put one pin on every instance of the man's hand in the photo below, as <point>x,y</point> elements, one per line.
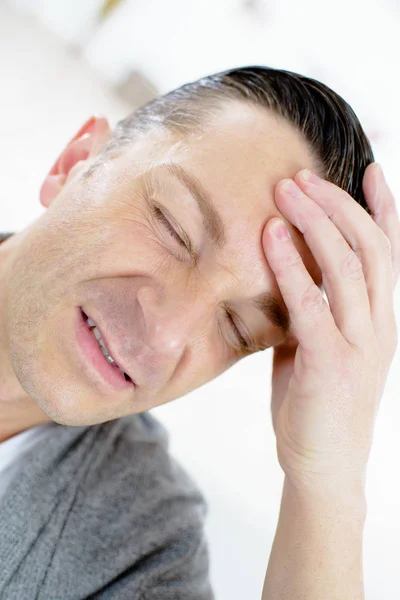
<point>329,380</point>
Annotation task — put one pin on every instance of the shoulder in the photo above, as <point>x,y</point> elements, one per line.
<point>142,508</point>
<point>134,478</point>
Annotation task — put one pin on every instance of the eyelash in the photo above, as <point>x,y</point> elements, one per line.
<point>242,342</point>
<point>161,217</point>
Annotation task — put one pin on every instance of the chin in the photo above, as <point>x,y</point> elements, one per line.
<point>67,407</point>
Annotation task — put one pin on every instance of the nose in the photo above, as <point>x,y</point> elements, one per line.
<point>168,325</point>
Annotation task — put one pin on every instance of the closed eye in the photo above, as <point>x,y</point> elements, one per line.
<point>242,342</point>
<point>161,217</point>
<point>244,346</point>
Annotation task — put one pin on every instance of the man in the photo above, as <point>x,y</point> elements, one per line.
<point>153,270</point>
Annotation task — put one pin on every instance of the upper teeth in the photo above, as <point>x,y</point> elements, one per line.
<point>102,345</point>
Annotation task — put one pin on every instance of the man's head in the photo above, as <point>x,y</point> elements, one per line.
<point>105,246</point>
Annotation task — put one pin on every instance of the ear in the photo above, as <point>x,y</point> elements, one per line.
<point>84,145</point>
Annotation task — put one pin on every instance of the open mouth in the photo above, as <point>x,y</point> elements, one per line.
<point>94,347</point>
<point>96,332</point>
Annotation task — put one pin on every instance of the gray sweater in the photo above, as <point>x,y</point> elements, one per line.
<point>105,512</point>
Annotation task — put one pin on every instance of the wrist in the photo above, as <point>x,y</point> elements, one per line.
<point>343,495</point>
<point>317,549</point>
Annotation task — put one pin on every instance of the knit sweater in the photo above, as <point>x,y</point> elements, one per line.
<point>104,512</point>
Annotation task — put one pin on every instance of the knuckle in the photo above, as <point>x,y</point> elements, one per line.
<point>312,299</point>
<point>290,261</point>
<point>351,267</point>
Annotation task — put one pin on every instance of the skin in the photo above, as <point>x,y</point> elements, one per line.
<point>97,246</point>
<point>327,392</point>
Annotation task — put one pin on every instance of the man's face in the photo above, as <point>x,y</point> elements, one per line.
<point>103,246</point>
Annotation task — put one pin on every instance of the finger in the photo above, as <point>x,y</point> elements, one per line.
<point>282,371</point>
<point>342,272</point>
<point>368,241</point>
<point>312,321</point>
<point>384,211</point>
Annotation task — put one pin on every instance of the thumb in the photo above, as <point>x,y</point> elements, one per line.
<point>282,370</point>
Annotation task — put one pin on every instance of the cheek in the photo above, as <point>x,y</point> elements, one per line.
<point>137,247</point>
<point>199,366</point>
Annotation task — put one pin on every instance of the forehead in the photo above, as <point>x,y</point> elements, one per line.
<point>244,152</point>
<point>250,138</point>
<point>241,156</point>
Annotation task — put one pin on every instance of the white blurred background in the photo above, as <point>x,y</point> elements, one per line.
<point>64,60</point>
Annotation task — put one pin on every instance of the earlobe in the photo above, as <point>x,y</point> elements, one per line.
<point>85,144</point>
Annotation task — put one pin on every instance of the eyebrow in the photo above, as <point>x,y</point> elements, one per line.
<point>273,310</point>
<point>213,223</point>
<point>270,306</point>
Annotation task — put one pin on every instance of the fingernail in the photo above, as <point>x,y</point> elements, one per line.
<point>309,176</point>
<point>289,187</point>
<point>280,230</point>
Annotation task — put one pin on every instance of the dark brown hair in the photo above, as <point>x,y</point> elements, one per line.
<point>329,125</point>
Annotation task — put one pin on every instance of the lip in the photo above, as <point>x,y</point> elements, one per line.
<point>94,356</point>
